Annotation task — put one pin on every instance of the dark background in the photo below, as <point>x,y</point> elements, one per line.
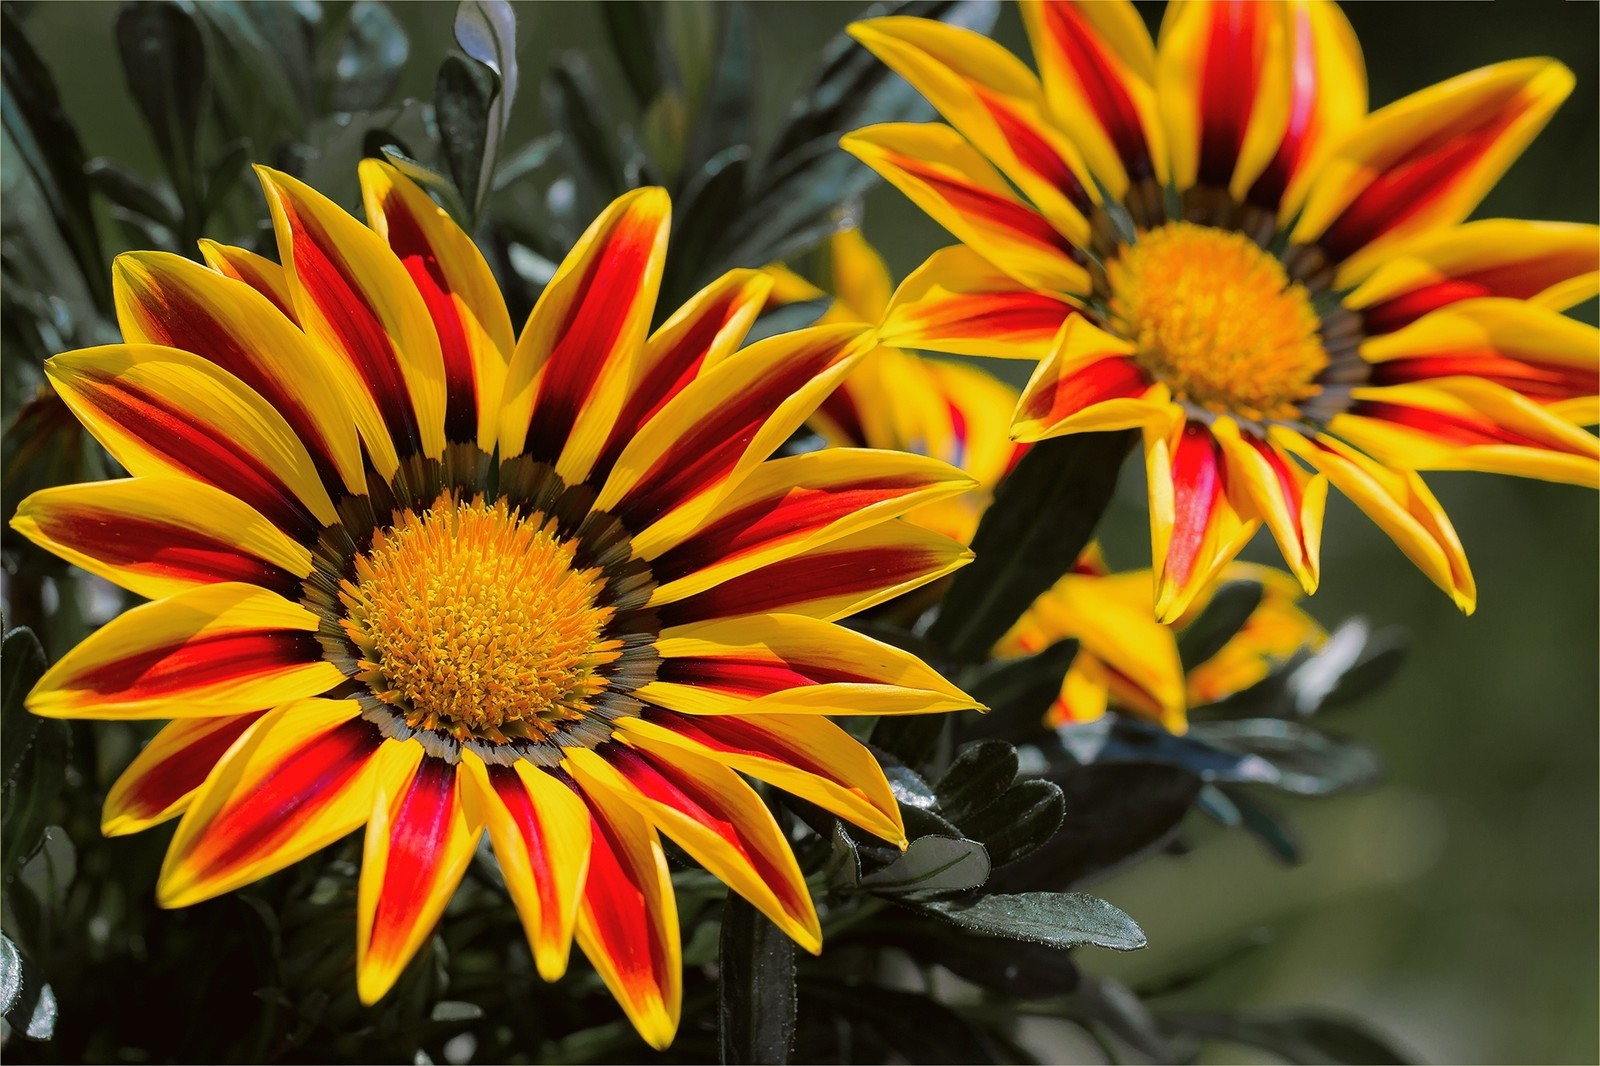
<point>1455,906</point>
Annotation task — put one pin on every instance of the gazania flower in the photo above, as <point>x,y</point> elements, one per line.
<point>903,402</point>
<point>1128,661</point>
<point>413,573</point>
<point>1210,240</point>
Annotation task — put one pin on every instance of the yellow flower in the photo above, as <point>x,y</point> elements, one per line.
<point>1209,239</point>
<point>414,572</point>
<point>1129,661</point>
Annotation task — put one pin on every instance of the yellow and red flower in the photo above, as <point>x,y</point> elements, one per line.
<point>901,401</point>
<point>414,572</point>
<point>1210,240</point>
<point>1129,661</point>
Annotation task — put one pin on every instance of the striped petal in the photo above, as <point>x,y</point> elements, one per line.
<point>957,302</point>
<point>1099,72</point>
<point>157,536</point>
<point>718,819</point>
<point>1425,161</point>
<point>540,831</point>
<point>418,845</point>
<point>258,272</point>
<point>1089,382</point>
<point>996,103</point>
<point>946,177</point>
<point>167,300</point>
<point>161,411</point>
<point>163,778</point>
<point>1462,424</point>
<point>1268,485</point>
<point>628,919</point>
<point>1401,505</point>
<point>570,373</point>
<point>300,778</point>
<point>1552,264</point>
<point>461,295</point>
<point>790,505</point>
<point>789,663</point>
<point>838,579</point>
<point>352,295</point>
<point>701,334</point>
<point>714,433</point>
<point>805,755</point>
<point>1194,529</point>
<point>214,650</point>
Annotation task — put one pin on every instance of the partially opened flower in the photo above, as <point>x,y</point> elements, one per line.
<point>1128,661</point>
<point>1210,240</point>
<point>901,401</point>
<point>414,573</point>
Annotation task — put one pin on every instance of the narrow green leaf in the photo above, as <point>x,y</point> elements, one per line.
<point>932,864</point>
<point>1308,763</point>
<point>128,190</point>
<point>1018,693</point>
<point>1042,517</point>
<point>525,160</point>
<point>462,97</point>
<point>486,30</point>
<point>1058,919</point>
<point>1262,823</point>
<point>1230,608</point>
<point>756,997</point>
<point>1110,1003</point>
<point>164,61</point>
<point>371,53</point>
<point>1353,662</point>
<point>914,739</point>
<point>573,104</point>
<point>22,662</point>
<point>978,777</point>
<point>634,28</point>
<point>725,119</point>
<point>1297,1036</point>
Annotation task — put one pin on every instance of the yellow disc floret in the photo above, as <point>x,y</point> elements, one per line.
<point>472,619</point>
<point>1216,318</point>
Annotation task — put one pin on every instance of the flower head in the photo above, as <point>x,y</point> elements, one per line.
<point>1208,238</point>
<point>412,572</point>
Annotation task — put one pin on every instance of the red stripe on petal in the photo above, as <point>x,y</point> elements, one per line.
<point>1197,486</point>
<point>1458,429</point>
<point>164,783</point>
<point>1301,128</point>
<point>752,677</point>
<point>1033,151</point>
<point>288,796</point>
<point>1115,377</point>
<point>199,662</point>
<point>1545,384</point>
<point>621,911</point>
<point>514,794</point>
<point>418,836</point>
<point>192,446</point>
<point>1234,52</point>
<point>981,203</point>
<point>1079,43</point>
<point>161,549</point>
<point>1518,279</point>
<point>735,735</point>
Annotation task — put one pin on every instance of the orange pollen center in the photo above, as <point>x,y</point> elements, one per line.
<point>1216,318</point>
<point>472,619</point>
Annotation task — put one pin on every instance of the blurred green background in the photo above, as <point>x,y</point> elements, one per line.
<point>1456,906</point>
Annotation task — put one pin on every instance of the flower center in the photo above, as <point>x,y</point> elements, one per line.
<point>1218,320</point>
<point>472,620</point>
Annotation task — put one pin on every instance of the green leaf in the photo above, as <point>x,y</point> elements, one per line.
<point>432,182</point>
<point>932,864</point>
<point>1307,762</point>
<point>128,190</point>
<point>634,28</point>
<point>164,60</point>
<point>1009,967</point>
<point>1353,662</point>
<point>912,738</point>
<point>22,663</point>
<point>1042,517</point>
<point>269,50</point>
<point>908,1025</point>
<point>371,54</point>
<point>462,96</point>
<point>909,788</point>
<point>1263,824</point>
<point>756,997</point>
<point>573,104</point>
<point>1019,822</point>
<point>1298,1036</point>
<point>1056,919</point>
<point>1018,693</point>
<point>36,752</point>
<point>841,872</point>
<point>525,160</point>
<point>978,777</point>
<point>486,30</point>
<point>1230,608</point>
<point>725,119</point>
<point>1119,1010</point>
<point>29,1003</point>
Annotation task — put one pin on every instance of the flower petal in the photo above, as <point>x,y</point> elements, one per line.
<point>957,302</point>
<point>1268,485</point>
<point>161,535</point>
<point>1399,502</point>
<point>258,272</point>
<point>540,830</point>
<point>418,845</point>
<point>213,650</point>
<point>1425,161</point>
<point>461,295</point>
<point>803,754</point>
<point>790,505</point>
<point>300,778</point>
<point>710,436</point>
<point>996,103</point>
<point>946,177</point>
<point>165,411</point>
<point>1089,382</point>
<point>167,300</point>
<point>719,820</point>
<point>774,662</point>
<point>1099,72</point>
<point>1194,529</point>
<point>829,582</point>
<point>163,778</point>
<point>628,920</point>
<point>576,357</point>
